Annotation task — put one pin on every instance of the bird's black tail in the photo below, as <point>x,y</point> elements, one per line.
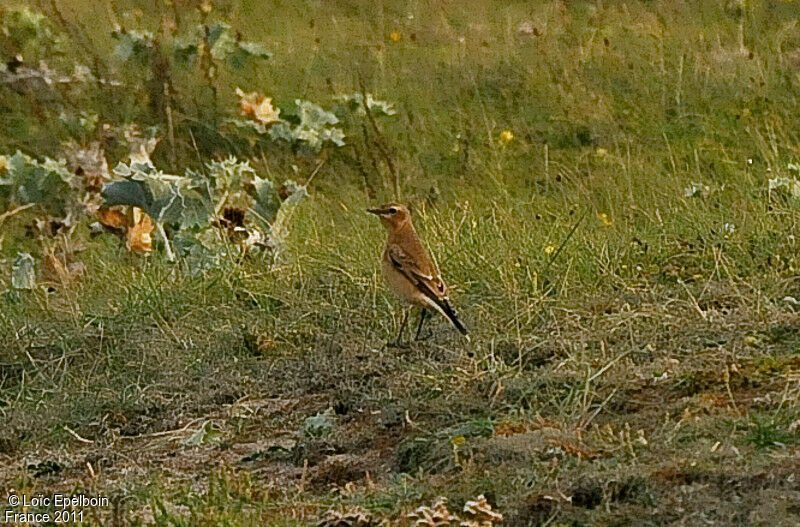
<point>448,311</point>
<point>444,307</point>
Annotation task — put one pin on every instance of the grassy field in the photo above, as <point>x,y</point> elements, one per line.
<point>629,277</point>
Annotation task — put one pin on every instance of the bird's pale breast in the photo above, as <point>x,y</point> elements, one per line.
<point>401,285</point>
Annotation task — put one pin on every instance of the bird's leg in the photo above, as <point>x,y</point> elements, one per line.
<point>398,341</point>
<point>422,315</point>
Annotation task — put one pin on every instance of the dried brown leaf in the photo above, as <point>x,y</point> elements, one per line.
<point>139,237</point>
<point>89,163</point>
<point>580,451</point>
<point>112,218</point>
<point>258,106</point>
<point>481,513</point>
<point>507,429</point>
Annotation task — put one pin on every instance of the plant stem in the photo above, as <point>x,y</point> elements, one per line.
<point>167,244</point>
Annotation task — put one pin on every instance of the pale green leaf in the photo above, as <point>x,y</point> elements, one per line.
<point>165,198</point>
<point>208,433</point>
<point>314,116</point>
<point>133,46</point>
<point>256,49</point>
<point>23,272</point>
<point>355,102</point>
<point>46,183</point>
<point>220,41</point>
<point>251,126</point>
<point>230,173</point>
<point>279,230</point>
<point>265,200</point>
<point>318,426</point>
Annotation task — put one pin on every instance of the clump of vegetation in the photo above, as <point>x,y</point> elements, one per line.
<point>223,201</point>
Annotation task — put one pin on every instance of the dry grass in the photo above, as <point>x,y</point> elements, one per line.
<point>648,374</point>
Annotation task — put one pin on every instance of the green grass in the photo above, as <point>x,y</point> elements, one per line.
<point>648,371</point>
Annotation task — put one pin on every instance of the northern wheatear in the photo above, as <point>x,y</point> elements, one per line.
<point>409,271</point>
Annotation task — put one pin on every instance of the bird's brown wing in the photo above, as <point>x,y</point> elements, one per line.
<point>428,282</point>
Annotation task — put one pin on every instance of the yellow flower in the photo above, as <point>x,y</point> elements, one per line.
<point>605,220</point>
<point>206,7</point>
<point>395,36</point>
<point>506,136</point>
<point>3,163</point>
<point>549,249</point>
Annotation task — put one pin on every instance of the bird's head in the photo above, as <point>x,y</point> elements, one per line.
<point>392,215</point>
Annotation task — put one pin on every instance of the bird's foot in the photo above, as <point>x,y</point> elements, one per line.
<point>425,336</point>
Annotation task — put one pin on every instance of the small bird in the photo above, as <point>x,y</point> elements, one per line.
<point>409,271</point>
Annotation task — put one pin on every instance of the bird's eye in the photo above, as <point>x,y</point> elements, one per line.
<point>392,210</point>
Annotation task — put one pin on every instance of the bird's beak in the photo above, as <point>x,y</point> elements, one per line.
<point>377,212</point>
